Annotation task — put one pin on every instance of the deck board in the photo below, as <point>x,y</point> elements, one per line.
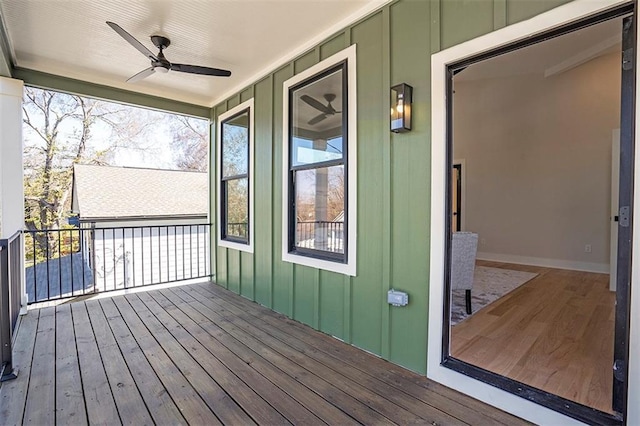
<point>151,364</point>
<point>258,397</point>
<point>359,365</point>
<point>407,401</point>
<point>329,391</point>
<point>198,354</point>
<point>134,386</point>
<point>467,410</point>
<point>40,406</point>
<point>230,347</point>
<point>70,406</point>
<point>127,398</point>
<point>212,394</point>
<point>366,389</point>
<point>101,407</point>
<point>13,394</point>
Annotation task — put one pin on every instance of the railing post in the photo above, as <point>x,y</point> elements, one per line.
<point>7,371</point>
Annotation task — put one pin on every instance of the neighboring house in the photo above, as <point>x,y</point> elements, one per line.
<point>142,226</point>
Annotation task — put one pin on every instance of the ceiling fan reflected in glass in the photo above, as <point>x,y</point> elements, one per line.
<point>158,62</point>
<point>326,110</point>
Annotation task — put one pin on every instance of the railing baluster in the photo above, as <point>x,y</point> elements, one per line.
<point>59,265</point>
<point>151,254</point>
<point>190,251</point>
<point>71,263</point>
<point>82,260</point>
<point>123,258</point>
<point>35,271</point>
<point>142,262</point>
<point>159,256</point>
<point>183,252</point>
<point>104,262</point>
<point>133,255</point>
<point>47,251</point>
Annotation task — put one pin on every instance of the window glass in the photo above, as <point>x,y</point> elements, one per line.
<point>317,121</point>
<point>237,201</point>
<point>319,199</point>
<point>319,165</point>
<point>307,151</point>
<point>235,145</point>
<point>235,185</point>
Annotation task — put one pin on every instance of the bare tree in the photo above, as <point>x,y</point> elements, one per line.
<point>59,129</point>
<point>190,142</point>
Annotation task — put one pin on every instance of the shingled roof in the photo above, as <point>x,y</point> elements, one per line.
<point>103,192</point>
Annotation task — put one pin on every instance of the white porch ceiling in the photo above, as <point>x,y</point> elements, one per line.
<point>70,38</point>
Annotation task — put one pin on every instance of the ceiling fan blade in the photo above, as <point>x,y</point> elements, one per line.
<point>132,41</point>
<point>195,69</point>
<point>142,74</point>
<point>317,119</point>
<point>316,104</point>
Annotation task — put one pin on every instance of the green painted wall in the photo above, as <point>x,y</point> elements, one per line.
<point>393,46</point>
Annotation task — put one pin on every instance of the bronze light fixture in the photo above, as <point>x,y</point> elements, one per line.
<point>401,98</point>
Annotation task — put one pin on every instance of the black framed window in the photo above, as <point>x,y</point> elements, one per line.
<point>235,165</point>
<point>317,165</point>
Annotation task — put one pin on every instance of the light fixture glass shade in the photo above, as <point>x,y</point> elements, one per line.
<point>401,98</point>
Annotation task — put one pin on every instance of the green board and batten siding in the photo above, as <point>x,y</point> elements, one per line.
<point>393,46</point>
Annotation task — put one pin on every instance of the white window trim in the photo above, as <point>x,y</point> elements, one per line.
<point>248,247</point>
<point>349,268</point>
<point>439,173</point>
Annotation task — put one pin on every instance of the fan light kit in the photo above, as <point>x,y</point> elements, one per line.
<point>158,62</point>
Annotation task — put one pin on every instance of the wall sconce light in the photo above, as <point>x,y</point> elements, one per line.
<point>401,97</point>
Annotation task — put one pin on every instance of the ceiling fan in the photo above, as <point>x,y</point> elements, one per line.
<point>158,62</point>
<point>326,110</point>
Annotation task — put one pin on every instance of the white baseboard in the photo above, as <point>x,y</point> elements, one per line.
<point>602,268</point>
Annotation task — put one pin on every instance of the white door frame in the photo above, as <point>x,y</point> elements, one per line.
<point>521,407</point>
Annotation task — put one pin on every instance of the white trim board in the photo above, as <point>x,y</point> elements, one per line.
<point>246,105</point>
<point>349,268</point>
<point>518,406</point>
<point>572,265</point>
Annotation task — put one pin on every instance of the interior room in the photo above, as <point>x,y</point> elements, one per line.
<point>534,135</point>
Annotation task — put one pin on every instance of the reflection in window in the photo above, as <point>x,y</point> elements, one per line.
<point>235,178</point>
<point>237,201</point>
<point>317,166</point>
<point>320,209</point>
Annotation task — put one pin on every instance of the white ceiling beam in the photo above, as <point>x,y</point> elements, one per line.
<point>583,56</point>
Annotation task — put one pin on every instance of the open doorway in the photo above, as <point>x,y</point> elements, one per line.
<point>534,124</point>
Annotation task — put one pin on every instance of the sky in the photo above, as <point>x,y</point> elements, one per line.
<point>152,148</point>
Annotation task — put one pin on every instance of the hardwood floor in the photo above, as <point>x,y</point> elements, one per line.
<point>199,354</point>
<point>555,333</point>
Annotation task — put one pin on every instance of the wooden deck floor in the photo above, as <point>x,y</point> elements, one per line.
<point>199,354</point>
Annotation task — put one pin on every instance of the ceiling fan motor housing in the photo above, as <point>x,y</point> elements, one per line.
<point>162,65</point>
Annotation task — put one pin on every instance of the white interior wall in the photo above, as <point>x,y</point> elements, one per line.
<point>538,173</point>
